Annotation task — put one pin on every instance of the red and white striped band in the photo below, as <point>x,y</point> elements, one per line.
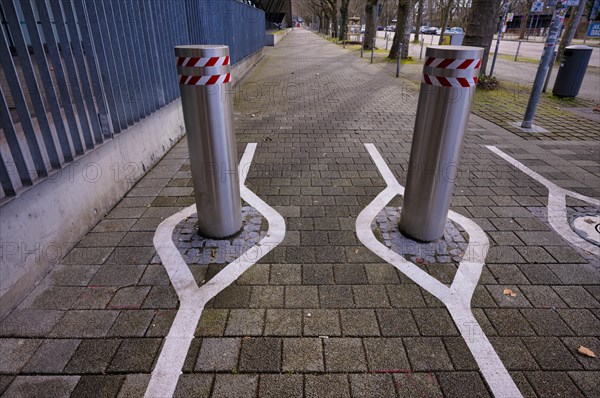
<point>195,62</point>
<point>205,80</point>
<point>449,63</point>
<point>441,81</point>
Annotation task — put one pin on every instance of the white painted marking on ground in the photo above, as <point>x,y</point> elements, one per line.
<point>557,204</point>
<point>457,297</point>
<point>193,298</point>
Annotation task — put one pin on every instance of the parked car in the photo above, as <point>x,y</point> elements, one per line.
<point>432,30</point>
<point>413,29</point>
<point>391,28</point>
<point>380,28</point>
<point>424,29</point>
<point>457,29</point>
<point>363,29</point>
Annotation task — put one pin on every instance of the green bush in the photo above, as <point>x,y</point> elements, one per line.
<point>488,83</point>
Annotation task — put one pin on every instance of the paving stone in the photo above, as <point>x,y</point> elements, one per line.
<point>161,323</point>
<point>117,275</point>
<point>349,274</point>
<point>553,384</point>
<point>397,322</point>
<point>587,382</point>
<point>321,322</point>
<point>303,355</point>
<point>16,353</point>
<point>576,297</point>
<point>29,322</point>
<point>576,274</point>
<point>372,385</point>
<point>344,355</point>
<point>267,297</point>
<point>507,274</point>
<point>130,297</point>
<point>456,383</point>
<point>417,384</point>
<point>434,322</point>
<point>573,343</point>
<point>301,296</point>
<point>381,274</point>
<point>108,225</point>
<point>134,385</point>
<point>509,322</point>
<point>85,323</point>
<point>505,238</point>
<point>42,386</point>
<point>244,322</point>
<point>71,275</point>
<point>565,254</point>
<point>131,323</point>
<point>135,355</point>
<point>238,385</point>
<point>218,354</point>
<point>260,355</point>
<point>233,296</point>
<point>542,297</point>
<point>503,255</point>
<point>102,239</point>
<point>87,256</point>
<point>92,356</point>
<point>51,356</point>
<point>258,274</point>
<point>280,322</point>
<point>336,296</point>
<point>326,386</point>
<point>317,274</point>
<point>546,322</point>
<point>405,296</point>
<point>370,296</point>
<point>193,385</point>
<point>280,386</point>
<point>286,274</point>
<point>155,275</point>
<point>359,322</point>
<point>386,355</point>
<point>539,274</point>
<point>535,254</point>
<point>52,297</point>
<point>98,386</point>
<point>581,321</point>
<point>212,322</point>
<point>5,381</point>
<point>427,354</point>
<point>459,352</point>
<point>513,353</point>
<point>551,354</point>
<point>505,300</point>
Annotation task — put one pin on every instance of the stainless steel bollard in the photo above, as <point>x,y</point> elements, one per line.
<point>447,87</point>
<point>204,72</point>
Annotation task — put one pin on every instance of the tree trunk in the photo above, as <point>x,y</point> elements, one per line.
<point>371,23</point>
<point>445,15</point>
<point>523,26</point>
<point>344,20</point>
<point>482,25</point>
<point>571,30</point>
<point>419,20</point>
<point>403,24</point>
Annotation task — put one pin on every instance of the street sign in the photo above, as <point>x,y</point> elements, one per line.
<point>594,29</point>
<point>509,17</point>
<point>538,6</point>
<point>594,10</point>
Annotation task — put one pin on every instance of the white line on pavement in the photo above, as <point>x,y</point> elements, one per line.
<point>557,204</point>
<point>193,298</point>
<point>457,297</point>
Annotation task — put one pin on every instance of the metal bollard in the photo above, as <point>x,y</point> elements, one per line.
<point>421,53</point>
<point>447,87</point>
<point>386,42</point>
<point>362,45</point>
<point>204,71</point>
<point>398,59</point>
<point>372,50</point>
<point>518,48</point>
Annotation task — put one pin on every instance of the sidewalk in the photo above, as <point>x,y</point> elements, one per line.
<point>321,315</point>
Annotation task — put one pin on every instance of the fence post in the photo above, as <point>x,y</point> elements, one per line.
<point>442,113</point>
<point>208,115</point>
<point>518,48</point>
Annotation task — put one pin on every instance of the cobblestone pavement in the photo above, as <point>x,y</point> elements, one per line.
<point>320,315</point>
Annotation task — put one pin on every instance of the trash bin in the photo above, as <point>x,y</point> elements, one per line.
<point>449,80</point>
<point>572,70</point>
<point>204,72</point>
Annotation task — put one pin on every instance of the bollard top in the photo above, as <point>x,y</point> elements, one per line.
<point>202,50</point>
<point>463,52</point>
<point>452,66</point>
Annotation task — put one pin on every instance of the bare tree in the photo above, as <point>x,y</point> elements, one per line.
<point>444,19</point>
<point>483,21</point>
<point>371,23</point>
<point>403,25</point>
<point>419,20</point>
<point>344,19</point>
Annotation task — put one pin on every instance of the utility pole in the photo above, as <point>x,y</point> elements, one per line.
<point>500,31</point>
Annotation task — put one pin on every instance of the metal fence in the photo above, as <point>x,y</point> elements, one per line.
<point>77,72</point>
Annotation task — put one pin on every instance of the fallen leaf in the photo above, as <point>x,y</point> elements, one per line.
<point>586,351</point>
<point>355,251</point>
<point>213,253</point>
<point>509,292</point>
<point>420,260</point>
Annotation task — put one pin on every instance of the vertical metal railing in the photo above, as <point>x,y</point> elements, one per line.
<point>77,72</point>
